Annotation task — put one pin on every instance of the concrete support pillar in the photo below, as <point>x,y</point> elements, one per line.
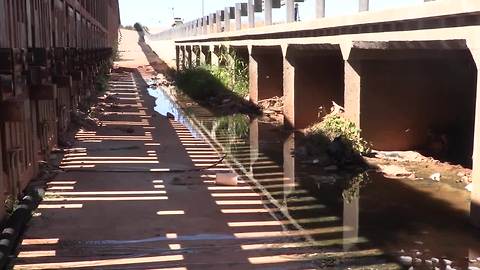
<point>215,61</point>
<point>183,57</point>
<point>203,56</point>
<point>288,88</point>
<point>364,5</point>
<point>268,12</point>
<point>290,10</point>
<point>238,16</point>
<point>227,19</point>
<point>211,23</point>
<point>253,76</point>
<point>475,207</point>
<point>219,21</point>
<point>251,14</point>
<point>352,90</point>
<point>189,57</point>
<point>353,85</point>
<point>205,25</point>
<point>319,8</point>
<point>177,57</point>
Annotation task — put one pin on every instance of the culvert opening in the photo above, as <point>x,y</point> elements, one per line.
<point>421,100</point>
<point>270,72</point>
<point>319,81</point>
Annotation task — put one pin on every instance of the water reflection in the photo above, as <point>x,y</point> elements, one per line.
<point>360,211</point>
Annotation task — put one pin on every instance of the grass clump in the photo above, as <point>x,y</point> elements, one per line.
<point>335,126</point>
<point>335,141</point>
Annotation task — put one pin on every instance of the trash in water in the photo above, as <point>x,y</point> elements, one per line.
<point>436,177</point>
<point>226,179</point>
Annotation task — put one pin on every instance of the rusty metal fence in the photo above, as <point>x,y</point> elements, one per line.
<point>50,54</point>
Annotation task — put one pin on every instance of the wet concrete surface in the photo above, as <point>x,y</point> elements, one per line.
<point>404,219</point>
<point>120,205</point>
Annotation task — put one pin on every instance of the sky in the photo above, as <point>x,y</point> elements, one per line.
<point>158,14</point>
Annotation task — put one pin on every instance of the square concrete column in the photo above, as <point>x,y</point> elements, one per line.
<point>189,56</point>
<point>215,61</point>
<point>253,76</point>
<point>353,84</point>
<point>195,57</point>
<point>227,19</point>
<point>268,12</point>
<point>290,10</point>
<point>177,57</point>
<point>211,23</point>
<point>205,25</point>
<point>251,14</point>
<point>183,57</point>
<point>202,57</point>
<point>288,88</point>
<point>475,207</point>
<point>364,5</point>
<point>319,8</point>
<point>353,90</point>
<point>219,21</point>
<point>238,16</point>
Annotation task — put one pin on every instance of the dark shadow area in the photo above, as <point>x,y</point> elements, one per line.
<point>420,100</point>
<point>157,64</point>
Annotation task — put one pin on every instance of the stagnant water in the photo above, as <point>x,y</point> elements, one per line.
<point>405,219</point>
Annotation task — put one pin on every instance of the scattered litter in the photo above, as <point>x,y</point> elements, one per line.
<point>406,260</point>
<point>436,177</point>
<point>402,156</point>
<point>226,179</point>
<point>395,171</point>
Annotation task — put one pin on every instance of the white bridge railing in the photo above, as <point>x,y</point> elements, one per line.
<point>230,19</point>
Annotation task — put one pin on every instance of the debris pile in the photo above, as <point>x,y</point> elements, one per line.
<point>272,108</point>
<point>159,81</point>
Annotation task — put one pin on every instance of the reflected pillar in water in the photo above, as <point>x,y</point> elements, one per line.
<point>289,166</point>
<point>475,207</point>
<point>288,87</point>
<point>253,144</point>
<point>351,214</point>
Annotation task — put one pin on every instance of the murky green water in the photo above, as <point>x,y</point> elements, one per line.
<point>356,214</point>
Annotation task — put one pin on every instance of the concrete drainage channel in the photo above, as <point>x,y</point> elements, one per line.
<point>193,123</point>
<point>16,224</point>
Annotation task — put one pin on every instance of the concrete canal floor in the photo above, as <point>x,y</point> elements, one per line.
<point>139,193</point>
<point>118,207</point>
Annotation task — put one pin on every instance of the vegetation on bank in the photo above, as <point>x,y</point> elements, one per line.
<point>335,126</point>
<point>223,88</point>
<point>334,141</point>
